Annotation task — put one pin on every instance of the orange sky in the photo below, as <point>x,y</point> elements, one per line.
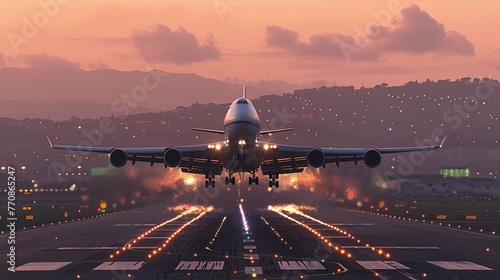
<point>122,34</point>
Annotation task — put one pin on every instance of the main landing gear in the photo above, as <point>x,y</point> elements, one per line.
<point>273,180</point>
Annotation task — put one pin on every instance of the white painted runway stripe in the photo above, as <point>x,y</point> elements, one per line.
<point>42,266</point>
<point>396,265</point>
<point>123,265</point>
<point>248,240</point>
<point>300,265</point>
<point>459,265</point>
<point>253,269</point>
<point>394,247</point>
<point>382,265</point>
<point>249,247</point>
<point>200,265</point>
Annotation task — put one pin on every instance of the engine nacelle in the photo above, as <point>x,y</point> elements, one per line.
<point>372,158</point>
<point>172,157</point>
<point>118,157</point>
<point>316,158</point>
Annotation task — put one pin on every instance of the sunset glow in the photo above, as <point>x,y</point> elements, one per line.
<point>341,42</point>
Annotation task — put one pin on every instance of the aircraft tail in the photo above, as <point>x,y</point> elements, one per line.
<point>244,91</point>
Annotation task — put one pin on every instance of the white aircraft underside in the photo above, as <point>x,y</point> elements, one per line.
<point>242,151</point>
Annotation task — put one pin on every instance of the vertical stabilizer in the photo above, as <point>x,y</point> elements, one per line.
<point>244,91</point>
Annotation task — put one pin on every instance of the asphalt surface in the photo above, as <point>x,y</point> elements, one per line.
<point>213,243</point>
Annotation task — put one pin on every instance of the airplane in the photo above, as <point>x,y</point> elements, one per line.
<point>242,151</point>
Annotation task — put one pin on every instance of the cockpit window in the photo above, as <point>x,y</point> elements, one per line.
<point>242,101</point>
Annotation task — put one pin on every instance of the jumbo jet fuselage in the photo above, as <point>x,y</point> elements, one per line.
<point>242,130</point>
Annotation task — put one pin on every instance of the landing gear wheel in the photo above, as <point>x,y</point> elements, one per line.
<point>273,180</point>
<point>227,180</point>
<point>250,180</point>
<point>256,180</point>
<point>233,181</point>
<point>213,183</point>
<point>206,183</point>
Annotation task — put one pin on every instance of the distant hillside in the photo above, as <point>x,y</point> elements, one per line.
<point>45,91</point>
<point>59,110</point>
<point>322,117</point>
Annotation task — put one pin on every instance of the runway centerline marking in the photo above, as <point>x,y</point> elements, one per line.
<point>253,270</point>
<point>459,265</point>
<point>251,257</point>
<point>42,266</point>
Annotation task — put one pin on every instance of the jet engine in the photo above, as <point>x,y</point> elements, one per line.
<point>372,158</point>
<point>118,157</point>
<point>316,158</point>
<point>172,157</point>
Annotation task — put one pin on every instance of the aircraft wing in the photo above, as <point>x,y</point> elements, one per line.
<point>283,159</point>
<point>198,159</point>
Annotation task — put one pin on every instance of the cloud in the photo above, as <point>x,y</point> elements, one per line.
<point>103,41</point>
<point>322,45</point>
<point>161,44</point>
<point>418,32</point>
<point>415,32</point>
<point>40,60</point>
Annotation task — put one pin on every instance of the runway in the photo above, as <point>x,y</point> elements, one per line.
<point>251,242</point>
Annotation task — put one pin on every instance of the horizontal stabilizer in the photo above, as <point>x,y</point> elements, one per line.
<point>276,130</point>
<point>208,130</point>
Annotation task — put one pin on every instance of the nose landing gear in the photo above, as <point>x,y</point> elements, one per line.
<point>209,181</point>
<point>253,179</point>
<point>230,179</point>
